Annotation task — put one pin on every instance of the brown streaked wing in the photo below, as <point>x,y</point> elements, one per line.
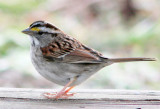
<point>55,50</point>
<point>81,56</point>
<point>70,50</point>
<point>70,55</point>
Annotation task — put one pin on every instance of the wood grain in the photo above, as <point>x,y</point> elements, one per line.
<point>20,98</point>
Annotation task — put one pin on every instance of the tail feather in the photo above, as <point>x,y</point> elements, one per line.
<point>116,60</point>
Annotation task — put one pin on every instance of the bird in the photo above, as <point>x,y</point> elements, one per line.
<point>64,60</point>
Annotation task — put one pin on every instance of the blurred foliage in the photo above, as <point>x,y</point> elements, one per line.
<point>121,28</point>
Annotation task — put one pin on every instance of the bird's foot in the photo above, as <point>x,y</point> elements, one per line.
<point>63,95</point>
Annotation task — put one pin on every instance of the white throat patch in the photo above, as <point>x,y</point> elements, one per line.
<point>34,41</point>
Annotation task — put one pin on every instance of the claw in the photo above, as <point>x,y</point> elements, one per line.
<point>50,95</point>
<point>58,95</point>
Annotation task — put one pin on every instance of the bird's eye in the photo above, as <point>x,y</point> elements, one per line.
<point>40,32</point>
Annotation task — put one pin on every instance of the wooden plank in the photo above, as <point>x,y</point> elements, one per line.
<point>17,98</point>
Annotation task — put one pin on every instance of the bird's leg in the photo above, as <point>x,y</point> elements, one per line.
<point>62,93</point>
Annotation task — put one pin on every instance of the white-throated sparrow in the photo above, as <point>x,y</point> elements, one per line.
<point>64,60</point>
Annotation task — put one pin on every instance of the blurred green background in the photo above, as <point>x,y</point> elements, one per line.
<point>117,28</point>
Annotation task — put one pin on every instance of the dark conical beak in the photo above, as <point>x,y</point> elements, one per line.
<point>27,31</point>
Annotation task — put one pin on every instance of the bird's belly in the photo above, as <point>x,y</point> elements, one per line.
<point>62,73</point>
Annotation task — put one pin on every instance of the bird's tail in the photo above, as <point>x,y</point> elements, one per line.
<point>117,60</point>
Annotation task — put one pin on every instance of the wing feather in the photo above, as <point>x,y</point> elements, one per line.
<point>69,50</point>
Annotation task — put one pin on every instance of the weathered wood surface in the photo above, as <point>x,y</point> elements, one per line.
<point>16,98</point>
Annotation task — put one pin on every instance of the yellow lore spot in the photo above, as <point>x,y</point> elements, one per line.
<point>35,29</point>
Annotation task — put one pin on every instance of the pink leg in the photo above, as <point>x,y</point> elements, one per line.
<point>63,93</point>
